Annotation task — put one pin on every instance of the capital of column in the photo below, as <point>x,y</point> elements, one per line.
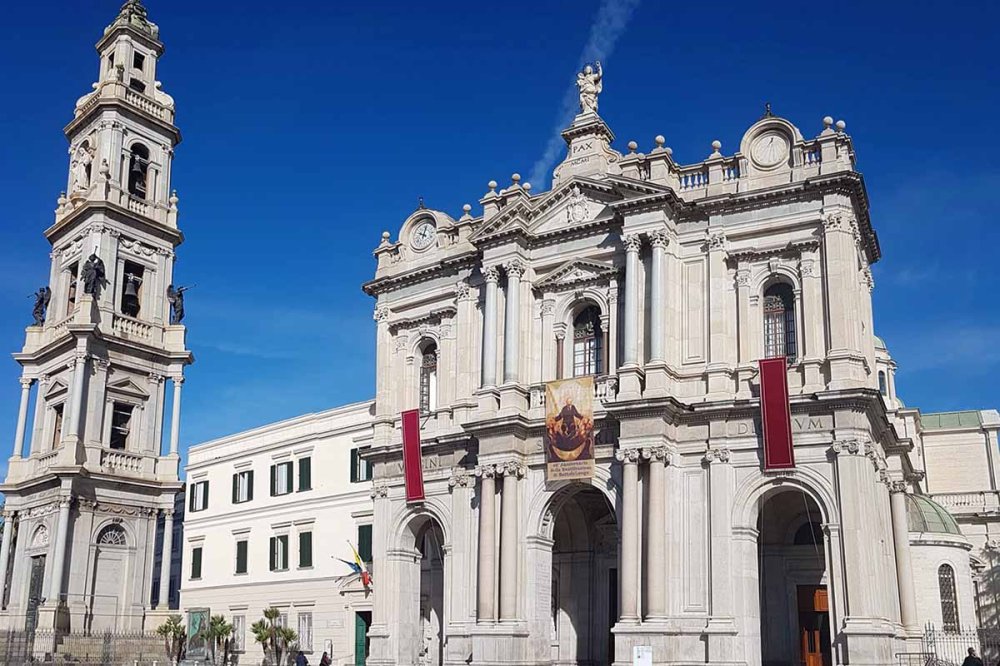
<point>515,268</point>
<point>511,468</point>
<point>379,490</point>
<point>80,356</point>
<point>852,447</point>
<point>628,456</point>
<point>463,292</point>
<point>559,330</point>
<point>26,383</point>
<point>66,502</point>
<point>459,477</point>
<point>381,314</point>
<point>155,378</point>
<point>718,454</point>
<point>486,471</point>
<point>7,514</point>
<point>717,241</point>
<point>548,307</point>
<point>743,277</point>
<point>178,380</point>
<point>807,267</point>
<point>491,273</point>
<point>659,238</point>
<point>632,242</point>
<point>897,486</point>
<point>837,221</point>
<point>657,454</point>
<point>167,513</point>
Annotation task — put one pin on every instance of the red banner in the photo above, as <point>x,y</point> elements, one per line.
<point>775,414</point>
<point>413,471</point>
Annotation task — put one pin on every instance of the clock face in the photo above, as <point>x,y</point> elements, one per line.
<point>769,149</point>
<point>423,236</point>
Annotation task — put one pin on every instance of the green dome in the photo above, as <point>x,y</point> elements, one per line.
<point>925,515</point>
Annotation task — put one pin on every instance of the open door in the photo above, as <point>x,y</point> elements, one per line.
<point>362,620</point>
<point>814,625</point>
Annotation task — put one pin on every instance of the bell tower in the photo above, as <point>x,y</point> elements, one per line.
<point>89,479</point>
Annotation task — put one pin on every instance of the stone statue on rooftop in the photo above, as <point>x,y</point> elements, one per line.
<point>81,169</point>
<point>42,298</point>
<point>93,275</point>
<point>176,299</point>
<point>589,83</point>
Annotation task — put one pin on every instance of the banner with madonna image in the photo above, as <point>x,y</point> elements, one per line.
<point>569,429</point>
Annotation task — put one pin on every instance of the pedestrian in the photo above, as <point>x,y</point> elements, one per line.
<point>300,660</point>
<point>325,660</point>
<point>972,659</point>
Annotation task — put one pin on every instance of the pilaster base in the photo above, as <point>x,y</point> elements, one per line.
<point>868,641</point>
<point>720,382</point>
<point>501,644</point>
<point>812,376</point>
<point>630,383</point>
<point>847,370</point>
<point>678,642</point>
<point>513,399</point>
<point>487,401</point>
<point>657,380</point>
<point>745,389</point>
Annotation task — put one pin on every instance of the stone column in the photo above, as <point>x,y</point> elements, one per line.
<point>656,535</point>
<point>901,547</point>
<point>22,421</point>
<point>383,363</point>
<point>492,276</point>
<point>165,558</point>
<point>629,458</point>
<point>79,371</point>
<point>512,472</point>
<point>632,244</point>
<point>550,347</point>
<point>512,322</point>
<point>38,430</point>
<point>175,417</point>
<point>560,350</point>
<point>8,533</point>
<point>59,554</point>
<point>485,610</point>
<point>657,310</point>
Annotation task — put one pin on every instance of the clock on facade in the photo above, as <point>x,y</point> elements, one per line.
<point>769,149</point>
<point>423,236</point>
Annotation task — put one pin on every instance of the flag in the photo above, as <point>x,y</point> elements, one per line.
<point>775,414</point>
<point>413,473</point>
<point>359,567</point>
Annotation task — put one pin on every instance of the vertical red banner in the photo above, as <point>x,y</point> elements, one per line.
<point>776,414</point>
<point>413,471</point>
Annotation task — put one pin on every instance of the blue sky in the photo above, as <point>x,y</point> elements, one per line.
<point>310,127</point>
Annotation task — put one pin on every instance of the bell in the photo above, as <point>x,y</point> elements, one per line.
<point>136,166</point>
<point>130,299</point>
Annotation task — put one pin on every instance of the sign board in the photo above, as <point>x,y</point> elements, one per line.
<point>197,640</point>
<point>569,429</point>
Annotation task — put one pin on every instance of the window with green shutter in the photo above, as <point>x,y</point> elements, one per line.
<point>196,563</point>
<point>361,470</point>
<point>365,542</point>
<point>354,466</point>
<point>305,474</point>
<point>241,557</point>
<point>243,486</point>
<point>281,478</point>
<point>279,553</point>
<point>305,549</point>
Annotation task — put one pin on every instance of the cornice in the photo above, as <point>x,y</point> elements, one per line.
<point>420,274</point>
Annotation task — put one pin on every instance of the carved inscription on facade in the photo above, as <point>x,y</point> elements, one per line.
<point>748,427</point>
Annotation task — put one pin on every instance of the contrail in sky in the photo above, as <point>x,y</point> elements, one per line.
<point>609,24</point>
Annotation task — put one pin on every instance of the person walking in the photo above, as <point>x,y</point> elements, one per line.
<point>300,660</point>
<point>325,660</point>
<point>972,659</point>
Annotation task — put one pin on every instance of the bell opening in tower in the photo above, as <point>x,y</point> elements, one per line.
<point>138,165</point>
<point>74,275</point>
<point>121,426</point>
<point>131,294</point>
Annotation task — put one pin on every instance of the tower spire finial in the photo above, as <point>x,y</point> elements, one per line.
<point>133,13</point>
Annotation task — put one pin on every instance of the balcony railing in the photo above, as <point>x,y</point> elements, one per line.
<point>605,390</point>
<point>132,328</point>
<point>984,501</point>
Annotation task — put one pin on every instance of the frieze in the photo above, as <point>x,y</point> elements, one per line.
<point>137,247</point>
<point>748,427</point>
<point>112,509</point>
<point>428,463</point>
<point>792,249</point>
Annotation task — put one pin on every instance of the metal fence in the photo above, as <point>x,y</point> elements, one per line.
<point>949,648</point>
<point>20,647</point>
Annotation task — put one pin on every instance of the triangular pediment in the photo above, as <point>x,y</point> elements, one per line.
<point>56,386</point>
<point>576,273</point>
<point>128,387</point>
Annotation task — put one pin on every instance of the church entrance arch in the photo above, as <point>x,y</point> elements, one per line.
<point>584,578</point>
<point>421,593</point>
<point>793,581</point>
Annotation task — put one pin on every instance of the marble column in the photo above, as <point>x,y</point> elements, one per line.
<point>512,472</point>
<point>560,350</point>
<point>632,244</point>
<point>901,547</point>
<point>656,535</point>
<point>512,322</point>
<point>22,420</point>
<point>77,396</point>
<point>59,554</point>
<point>8,533</point>
<point>175,417</point>
<point>485,609</point>
<point>629,611</point>
<point>383,362</point>
<point>492,275</point>
<point>657,335</point>
<point>165,559</point>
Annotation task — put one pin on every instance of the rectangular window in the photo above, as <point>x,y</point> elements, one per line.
<point>138,60</point>
<point>241,556</point>
<point>361,469</point>
<point>196,563</point>
<point>57,425</point>
<point>199,496</point>
<point>305,474</point>
<point>305,549</point>
<point>365,542</point>
<point>279,553</point>
<point>306,632</point>
<point>239,632</point>
<point>281,479</point>
<point>121,425</point>
<point>243,486</point>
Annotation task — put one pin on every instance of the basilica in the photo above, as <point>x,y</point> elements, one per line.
<point>573,453</point>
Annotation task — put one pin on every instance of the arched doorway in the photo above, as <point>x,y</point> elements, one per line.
<point>584,579</point>
<point>416,608</point>
<point>431,607</point>
<point>794,585</point>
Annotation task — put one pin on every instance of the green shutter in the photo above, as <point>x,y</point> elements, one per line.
<point>236,486</point>
<point>249,485</point>
<point>283,540</point>
<point>354,466</point>
<point>196,562</point>
<point>274,479</point>
<point>191,498</point>
<point>241,557</point>
<point>305,474</point>
<point>206,494</point>
<point>305,549</point>
<point>271,549</point>
<point>365,542</point>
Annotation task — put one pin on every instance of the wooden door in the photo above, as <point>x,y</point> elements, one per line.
<point>814,626</point>
<point>361,622</point>
<point>35,591</point>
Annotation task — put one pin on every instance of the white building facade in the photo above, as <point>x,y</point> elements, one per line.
<point>89,484</point>
<point>269,516</point>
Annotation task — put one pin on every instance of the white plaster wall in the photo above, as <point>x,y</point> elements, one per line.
<point>928,552</point>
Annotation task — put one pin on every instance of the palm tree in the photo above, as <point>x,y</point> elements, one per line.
<point>174,636</point>
<point>218,634</point>
<point>275,640</point>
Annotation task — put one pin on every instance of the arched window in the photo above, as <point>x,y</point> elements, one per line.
<point>428,378</point>
<point>112,535</point>
<point>588,342</point>
<point>779,322</point>
<point>138,167</point>
<point>883,388</point>
<point>949,600</point>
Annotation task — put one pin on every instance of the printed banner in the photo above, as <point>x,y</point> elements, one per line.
<point>413,472</point>
<point>569,429</point>
<point>197,634</point>
<point>775,414</point>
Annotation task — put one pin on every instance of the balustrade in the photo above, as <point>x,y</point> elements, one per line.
<point>974,502</point>
<point>690,179</point>
<point>131,327</point>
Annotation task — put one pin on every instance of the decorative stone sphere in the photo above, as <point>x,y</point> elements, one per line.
<point>659,140</point>
<point>716,144</point>
<point>516,177</point>
<point>669,150</point>
<point>827,121</point>
<point>492,184</point>
<point>632,145</point>
<point>527,186</point>
<point>385,236</point>
<point>466,208</point>
<point>841,125</point>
